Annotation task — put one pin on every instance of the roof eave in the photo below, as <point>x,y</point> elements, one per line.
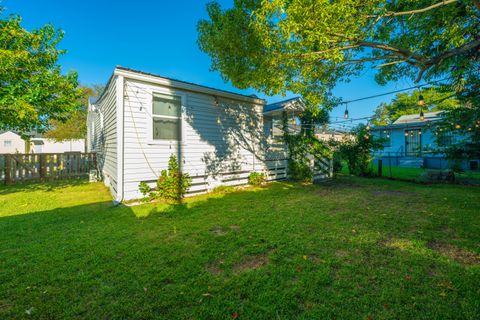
<point>152,78</point>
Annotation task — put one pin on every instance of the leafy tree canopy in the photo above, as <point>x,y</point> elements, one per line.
<point>307,46</point>
<point>75,127</point>
<point>407,103</point>
<point>32,89</point>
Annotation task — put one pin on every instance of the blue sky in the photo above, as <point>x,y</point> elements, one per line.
<point>158,37</point>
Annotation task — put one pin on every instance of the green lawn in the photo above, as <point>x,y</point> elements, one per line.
<point>419,174</point>
<point>349,249</point>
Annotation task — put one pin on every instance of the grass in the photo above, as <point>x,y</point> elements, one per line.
<point>349,249</point>
<point>419,174</point>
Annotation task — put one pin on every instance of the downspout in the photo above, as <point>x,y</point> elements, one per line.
<point>120,143</point>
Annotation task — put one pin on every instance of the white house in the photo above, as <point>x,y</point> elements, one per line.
<point>12,142</point>
<point>141,119</point>
<point>414,142</point>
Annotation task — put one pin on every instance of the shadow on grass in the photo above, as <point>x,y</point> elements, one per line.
<point>48,186</point>
<point>197,259</point>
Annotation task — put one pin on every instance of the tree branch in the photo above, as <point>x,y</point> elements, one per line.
<point>471,46</point>
<point>411,12</point>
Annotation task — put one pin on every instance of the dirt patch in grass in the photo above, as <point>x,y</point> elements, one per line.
<point>341,253</point>
<point>234,227</point>
<point>253,262</point>
<point>449,232</point>
<point>453,252</point>
<point>219,230</point>
<point>214,268</point>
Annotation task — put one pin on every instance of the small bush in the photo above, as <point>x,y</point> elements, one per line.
<point>337,162</point>
<point>147,192</point>
<point>256,178</point>
<point>173,184</point>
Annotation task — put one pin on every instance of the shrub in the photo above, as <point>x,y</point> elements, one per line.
<point>301,151</point>
<point>256,178</point>
<point>357,151</point>
<point>172,183</point>
<point>147,192</point>
<point>337,162</point>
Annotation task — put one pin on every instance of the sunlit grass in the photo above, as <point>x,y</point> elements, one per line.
<point>348,249</point>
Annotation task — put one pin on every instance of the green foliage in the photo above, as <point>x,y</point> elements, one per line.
<point>222,189</point>
<point>173,184</point>
<point>75,127</point>
<point>407,103</point>
<point>33,90</point>
<point>302,149</point>
<point>256,178</point>
<point>357,151</point>
<point>307,46</point>
<point>147,192</point>
<point>463,124</point>
<point>337,162</point>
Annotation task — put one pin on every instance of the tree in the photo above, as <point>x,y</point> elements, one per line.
<point>357,151</point>
<point>307,46</point>
<point>75,127</point>
<point>463,124</point>
<point>407,103</point>
<point>33,90</point>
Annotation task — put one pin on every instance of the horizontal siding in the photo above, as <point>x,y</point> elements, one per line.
<point>104,139</point>
<point>218,140</point>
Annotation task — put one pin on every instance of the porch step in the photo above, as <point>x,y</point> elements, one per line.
<point>410,162</point>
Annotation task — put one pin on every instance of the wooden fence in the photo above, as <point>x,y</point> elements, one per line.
<point>45,166</point>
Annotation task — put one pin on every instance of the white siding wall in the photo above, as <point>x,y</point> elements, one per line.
<point>52,146</point>
<point>102,136</point>
<point>219,141</point>
<point>14,143</point>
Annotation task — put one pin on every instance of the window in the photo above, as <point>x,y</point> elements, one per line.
<point>166,115</point>
<point>445,139</point>
<point>7,143</point>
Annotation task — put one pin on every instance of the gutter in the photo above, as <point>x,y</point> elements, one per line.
<point>120,106</point>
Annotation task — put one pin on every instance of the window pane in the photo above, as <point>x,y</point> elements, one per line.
<point>165,105</point>
<point>166,129</point>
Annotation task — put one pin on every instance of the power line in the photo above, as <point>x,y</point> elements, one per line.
<point>392,92</point>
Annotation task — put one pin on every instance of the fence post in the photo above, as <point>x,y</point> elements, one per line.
<point>380,167</point>
<point>390,163</point>
<point>8,169</point>
<point>42,167</point>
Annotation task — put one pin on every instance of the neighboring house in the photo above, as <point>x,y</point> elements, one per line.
<point>413,142</point>
<point>331,134</point>
<point>141,119</point>
<point>273,115</point>
<point>12,142</point>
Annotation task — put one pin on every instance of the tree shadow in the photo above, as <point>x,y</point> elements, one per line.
<point>101,261</point>
<point>235,130</point>
<point>48,186</point>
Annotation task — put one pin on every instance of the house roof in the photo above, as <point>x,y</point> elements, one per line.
<point>32,134</point>
<point>415,118</point>
<point>284,104</point>
<point>175,83</point>
<point>412,120</point>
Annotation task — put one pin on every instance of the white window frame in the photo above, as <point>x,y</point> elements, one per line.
<point>150,116</point>
<point>5,143</point>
